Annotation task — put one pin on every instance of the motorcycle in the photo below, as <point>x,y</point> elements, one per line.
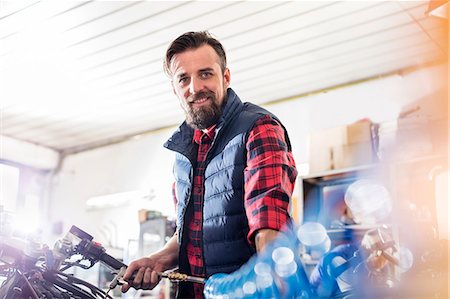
<point>30,270</point>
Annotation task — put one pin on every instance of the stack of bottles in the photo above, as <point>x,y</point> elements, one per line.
<point>276,272</point>
<point>314,239</point>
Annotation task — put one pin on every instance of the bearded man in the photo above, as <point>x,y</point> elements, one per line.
<point>234,172</point>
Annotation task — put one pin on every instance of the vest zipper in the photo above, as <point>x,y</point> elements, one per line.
<point>203,203</point>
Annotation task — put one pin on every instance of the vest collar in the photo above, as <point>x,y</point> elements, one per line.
<point>181,140</point>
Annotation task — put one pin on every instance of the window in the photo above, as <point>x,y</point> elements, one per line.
<point>9,187</point>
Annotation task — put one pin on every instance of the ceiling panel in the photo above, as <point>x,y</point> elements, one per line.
<point>79,74</point>
<point>333,78</point>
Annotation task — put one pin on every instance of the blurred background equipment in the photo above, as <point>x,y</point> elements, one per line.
<point>369,202</point>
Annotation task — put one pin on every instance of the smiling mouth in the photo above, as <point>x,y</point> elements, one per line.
<point>200,100</point>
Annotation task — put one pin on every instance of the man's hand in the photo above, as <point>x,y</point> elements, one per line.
<point>263,237</point>
<point>146,269</point>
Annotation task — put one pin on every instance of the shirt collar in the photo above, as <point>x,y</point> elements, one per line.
<point>198,134</point>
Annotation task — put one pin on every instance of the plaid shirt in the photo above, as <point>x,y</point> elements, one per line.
<point>269,181</point>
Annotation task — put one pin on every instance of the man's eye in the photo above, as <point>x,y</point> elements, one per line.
<point>182,80</point>
<point>206,75</point>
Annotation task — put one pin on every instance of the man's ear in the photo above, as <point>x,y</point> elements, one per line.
<point>226,77</point>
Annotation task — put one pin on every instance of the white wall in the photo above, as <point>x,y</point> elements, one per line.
<point>139,164</point>
<point>145,164</point>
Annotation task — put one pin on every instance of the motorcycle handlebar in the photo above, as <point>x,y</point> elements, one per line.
<point>92,250</point>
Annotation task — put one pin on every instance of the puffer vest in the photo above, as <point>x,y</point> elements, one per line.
<point>225,224</point>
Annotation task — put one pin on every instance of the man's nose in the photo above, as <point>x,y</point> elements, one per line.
<point>194,85</point>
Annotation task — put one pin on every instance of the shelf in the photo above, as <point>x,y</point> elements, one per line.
<point>334,172</point>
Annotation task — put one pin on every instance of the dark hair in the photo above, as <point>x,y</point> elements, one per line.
<point>194,40</point>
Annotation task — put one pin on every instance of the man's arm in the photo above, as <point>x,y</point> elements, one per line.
<point>269,181</point>
<point>146,269</point>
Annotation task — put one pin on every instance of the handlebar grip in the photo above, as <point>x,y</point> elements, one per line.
<point>111,261</point>
<point>78,232</point>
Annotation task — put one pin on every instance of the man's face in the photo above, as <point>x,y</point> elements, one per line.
<point>200,85</point>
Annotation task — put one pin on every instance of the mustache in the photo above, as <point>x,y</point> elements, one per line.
<point>201,94</point>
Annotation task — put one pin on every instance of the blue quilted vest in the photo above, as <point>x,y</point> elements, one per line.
<point>225,225</point>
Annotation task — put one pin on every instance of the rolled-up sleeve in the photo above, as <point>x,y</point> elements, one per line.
<point>269,177</point>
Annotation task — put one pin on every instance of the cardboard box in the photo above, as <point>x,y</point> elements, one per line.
<point>321,144</point>
<point>359,132</point>
<point>356,154</point>
<point>342,147</point>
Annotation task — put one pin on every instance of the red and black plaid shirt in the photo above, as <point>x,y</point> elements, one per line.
<point>269,181</point>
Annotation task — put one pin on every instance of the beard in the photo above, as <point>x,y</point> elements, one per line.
<point>203,117</point>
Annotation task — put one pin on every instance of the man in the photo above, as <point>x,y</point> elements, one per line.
<point>234,171</point>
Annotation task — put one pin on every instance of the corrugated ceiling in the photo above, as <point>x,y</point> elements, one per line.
<point>78,74</point>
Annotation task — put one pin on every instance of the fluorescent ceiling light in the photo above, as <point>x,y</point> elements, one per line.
<point>117,199</point>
